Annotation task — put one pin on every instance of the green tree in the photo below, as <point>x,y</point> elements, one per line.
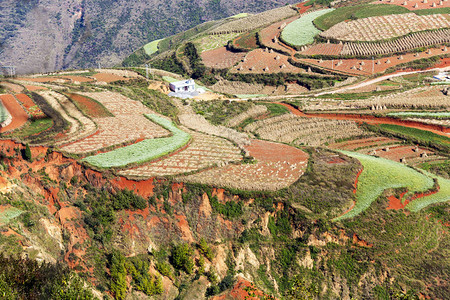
<point>118,283</point>
<point>27,153</point>
<point>182,258</point>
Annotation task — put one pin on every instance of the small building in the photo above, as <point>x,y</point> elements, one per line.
<point>184,86</point>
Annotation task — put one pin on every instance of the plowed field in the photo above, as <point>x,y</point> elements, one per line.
<point>221,58</point>
<point>410,4</point>
<point>262,61</point>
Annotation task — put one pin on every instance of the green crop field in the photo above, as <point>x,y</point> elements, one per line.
<point>151,47</point>
<point>422,136</point>
<point>380,174</point>
<point>4,114</point>
<point>357,12</point>
<point>440,115</point>
<point>302,31</point>
<point>143,151</point>
<point>9,214</point>
<point>239,16</point>
<point>442,196</point>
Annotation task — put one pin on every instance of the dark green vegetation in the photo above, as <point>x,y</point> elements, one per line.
<point>419,64</point>
<point>28,279</point>
<point>439,168</point>
<point>355,12</point>
<point>219,112</point>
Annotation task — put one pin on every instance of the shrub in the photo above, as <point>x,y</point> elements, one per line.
<point>182,258</point>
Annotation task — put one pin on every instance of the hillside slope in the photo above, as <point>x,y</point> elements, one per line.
<point>42,36</point>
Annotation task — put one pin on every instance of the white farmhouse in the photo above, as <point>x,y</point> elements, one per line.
<point>184,86</point>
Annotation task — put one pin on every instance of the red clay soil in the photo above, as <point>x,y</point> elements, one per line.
<point>444,62</point>
<point>411,3</point>
<point>221,58</point>
<point>33,88</point>
<point>91,107</point>
<point>106,77</point>
<point>355,185</point>
<point>346,65</point>
<point>360,242</point>
<point>399,203</point>
<point>302,7</point>
<point>19,116</point>
<point>268,34</point>
<point>243,290</point>
<point>441,130</point>
<point>78,78</point>
<point>247,41</point>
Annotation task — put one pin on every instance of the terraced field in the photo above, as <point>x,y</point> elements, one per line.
<point>117,130</point>
<point>204,151</point>
<point>151,47</point>
<point>4,115</point>
<point>212,42</point>
<point>32,109</point>
<point>277,166</point>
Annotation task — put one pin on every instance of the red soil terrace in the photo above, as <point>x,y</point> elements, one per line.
<point>19,116</point>
<point>221,58</point>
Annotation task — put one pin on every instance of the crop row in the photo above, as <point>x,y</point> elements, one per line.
<point>309,131</point>
<point>252,22</point>
<point>144,151</point>
<point>204,151</point>
<point>252,112</point>
<point>409,42</point>
<point>385,27</point>
<point>119,129</point>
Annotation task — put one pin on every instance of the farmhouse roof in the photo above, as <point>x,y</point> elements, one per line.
<point>183,83</point>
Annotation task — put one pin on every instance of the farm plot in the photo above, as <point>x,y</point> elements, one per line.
<point>367,66</point>
<point>406,43</point>
<point>277,167</point>
<point>354,145</point>
<point>211,42</point>
<point>108,78</point>
<point>120,129</point>
<point>416,4</point>
<point>252,112</point>
<point>380,174</point>
<point>143,151</point>
<point>32,109</point>
<point>289,128</point>
<point>323,49</point>
<point>204,151</point>
<point>221,58</point>
<point>5,117</point>
<point>246,41</point>
<point>265,61</point>
<point>80,125</point>
<point>255,21</point>
<point>445,123</point>
<point>302,31</point>
<point>89,106</point>
<point>426,114</point>
<point>385,27</point>
<point>19,116</point>
<point>422,97</point>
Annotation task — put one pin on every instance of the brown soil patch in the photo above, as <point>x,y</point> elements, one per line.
<point>324,49</point>
<point>303,8</point>
<point>410,4</point>
<point>78,78</point>
<point>43,79</point>
<point>262,61</point>
<point>270,35</point>
<point>89,106</point>
<point>363,143</point>
<point>243,290</point>
<point>106,77</point>
<point>399,152</point>
<point>143,188</point>
<point>221,58</point>
<point>19,116</point>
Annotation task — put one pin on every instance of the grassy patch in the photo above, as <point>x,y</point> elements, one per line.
<point>219,112</point>
<point>357,12</point>
<point>9,214</point>
<point>432,11</point>
<point>276,109</point>
<point>380,174</point>
<point>442,196</point>
<point>4,114</point>
<point>211,42</point>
